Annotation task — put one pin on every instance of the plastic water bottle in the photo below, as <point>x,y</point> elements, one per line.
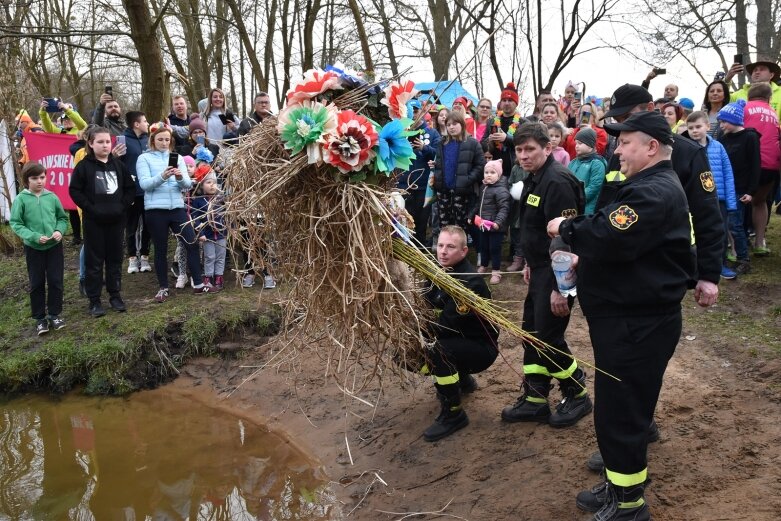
<point>566,277</point>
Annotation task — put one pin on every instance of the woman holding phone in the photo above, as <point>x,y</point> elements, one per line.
<point>197,139</point>
<point>163,175</point>
<point>220,122</point>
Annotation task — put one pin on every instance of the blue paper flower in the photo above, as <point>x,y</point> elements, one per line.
<point>393,147</point>
<point>205,155</point>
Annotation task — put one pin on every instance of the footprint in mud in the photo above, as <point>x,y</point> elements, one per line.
<point>682,409</point>
<point>684,429</point>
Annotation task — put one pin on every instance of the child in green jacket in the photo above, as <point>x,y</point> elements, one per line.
<point>38,218</point>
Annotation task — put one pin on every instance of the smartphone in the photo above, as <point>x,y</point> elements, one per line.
<point>224,119</point>
<point>200,140</point>
<point>52,105</point>
<point>585,118</point>
<point>738,58</point>
<point>109,90</point>
<point>578,95</point>
<point>120,140</point>
<point>659,71</point>
<point>173,160</point>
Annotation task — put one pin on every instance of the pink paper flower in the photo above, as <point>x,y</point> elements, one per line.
<point>396,97</point>
<point>350,147</point>
<point>315,82</point>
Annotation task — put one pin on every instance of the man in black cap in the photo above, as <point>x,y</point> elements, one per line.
<point>635,258</point>
<point>690,162</point>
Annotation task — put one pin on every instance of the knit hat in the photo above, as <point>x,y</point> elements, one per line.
<point>587,136</point>
<point>510,92</point>
<point>189,160</point>
<point>495,165</point>
<point>733,113</point>
<point>196,123</point>
<point>686,103</point>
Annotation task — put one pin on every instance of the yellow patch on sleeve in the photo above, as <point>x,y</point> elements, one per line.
<point>533,200</point>
<point>708,184</point>
<point>623,217</point>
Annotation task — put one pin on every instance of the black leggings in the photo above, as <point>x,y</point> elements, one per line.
<point>491,249</point>
<point>176,220</point>
<point>102,251</point>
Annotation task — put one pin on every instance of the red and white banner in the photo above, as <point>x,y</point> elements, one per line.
<point>52,151</point>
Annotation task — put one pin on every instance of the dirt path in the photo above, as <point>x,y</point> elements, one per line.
<point>718,457</point>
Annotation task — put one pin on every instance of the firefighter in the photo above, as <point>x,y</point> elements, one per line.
<point>635,259</point>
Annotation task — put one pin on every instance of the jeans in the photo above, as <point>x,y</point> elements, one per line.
<point>176,220</point>
<point>733,222</point>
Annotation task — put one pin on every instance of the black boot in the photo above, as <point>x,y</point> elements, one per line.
<point>618,503</point>
<point>575,404</point>
<point>532,405</point>
<point>451,416</point>
<point>597,464</point>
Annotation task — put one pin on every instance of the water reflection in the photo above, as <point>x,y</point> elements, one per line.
<point>154,456</point>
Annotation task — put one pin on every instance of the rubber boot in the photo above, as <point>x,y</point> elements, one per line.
<point>597,464</point>
<point>622,504</point>
<point>451,416</point>
<point>532,405</point>
<point>575,404</point>
<point>517,264</point>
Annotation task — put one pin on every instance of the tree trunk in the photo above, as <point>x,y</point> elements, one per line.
<point>741,35</point>
<point>312,8</point>
<point>249,48</point>
<point>154,81</point>
<point>367,54</point>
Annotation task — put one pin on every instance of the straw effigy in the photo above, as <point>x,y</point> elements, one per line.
<point>327,224</point>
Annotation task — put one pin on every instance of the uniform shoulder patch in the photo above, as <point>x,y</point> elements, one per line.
<point>623,217</point>
<point>708,184</point>
<point>569,212</point>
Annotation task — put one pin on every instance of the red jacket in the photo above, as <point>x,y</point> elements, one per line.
<point>569,143</point>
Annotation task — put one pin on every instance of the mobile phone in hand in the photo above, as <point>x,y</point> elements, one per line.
<point>52,105</point>
<point>578,95</point>
<point>120,140</point>
<point>173,160</point>
<point>224,119</point>
<point>109,90</point>
<point>200,140</point>
<point>738,58</point>
<point>659,71</point>
<point>585,118</point>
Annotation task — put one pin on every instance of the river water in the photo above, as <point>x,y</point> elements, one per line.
<point>153,456</point>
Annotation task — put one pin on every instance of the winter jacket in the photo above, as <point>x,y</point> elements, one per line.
<point>560,155</point>
<point>208,212</point>
<point>721,168</point>
<point>494,203</point>
<point>188,149</point>
<point>505,151</point>
<point>33,216</point>
<point>743,151</point>
<point>46,122</point>
<point>250,122</point>
<point>601,148</point>
<point>590,170</point>
<point>761,117</point>
<point>775,96</point>
<point>159,193</point>
<point>103,191</point>
<point>216,130</point>
<point>416,178</point>
<point>116,127</point>
<point>136,145</point>
<point>469,170</point>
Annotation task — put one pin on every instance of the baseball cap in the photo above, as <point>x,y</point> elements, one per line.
<point>625,98</point>
<point>651,123</point>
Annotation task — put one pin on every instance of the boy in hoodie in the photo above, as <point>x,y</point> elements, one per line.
<point>588,166</point>
<point>742,145</point>
<point>38,218</point>
<point>104,190</point>
<point>698,125</point>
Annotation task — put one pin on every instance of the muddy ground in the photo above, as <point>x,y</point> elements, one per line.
<point>719,413</point>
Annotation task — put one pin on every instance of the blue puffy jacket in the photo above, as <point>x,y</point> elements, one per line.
<point>159,193</point>
<point>722,173</point>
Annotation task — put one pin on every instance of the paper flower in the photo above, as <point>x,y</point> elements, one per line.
<point>315,82</point>
<point>393,147</point>
<point>396,97</point>
<point>305,125</point>
<point>350,147</point>
<point>204,154</point>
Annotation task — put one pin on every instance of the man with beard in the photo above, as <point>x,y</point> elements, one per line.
<point>108,114</point>
<point>499,136</point>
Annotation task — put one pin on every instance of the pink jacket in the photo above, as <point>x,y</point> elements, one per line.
<point>760,116</point>
<point>561,155</point>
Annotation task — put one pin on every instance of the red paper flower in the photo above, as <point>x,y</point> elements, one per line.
<point>396,97</point>
<point>351,146</point>
<point>315,82</point>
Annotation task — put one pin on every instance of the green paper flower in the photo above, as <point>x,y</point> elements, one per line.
<point>305,125</point>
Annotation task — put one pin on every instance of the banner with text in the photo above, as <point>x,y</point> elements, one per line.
<point>52,151</point>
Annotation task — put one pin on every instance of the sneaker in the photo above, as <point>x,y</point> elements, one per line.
<point>269,282</point>
<point>57,323</point>
<point>219,282</point>
<point>203,288</point>
<point>743,267</point>
<point>144,265</point>
<point>761,250</point>
<point>42,327</point>
<point>96,309</point>
<point>181,281</point>
<point>482,269</point>
<point>731,257</point>
<point>133,265</point>
<point>496,278</point>
<point>117,304</point>
<point>162,295</point>
<point>728,274</point>
<point>248,280</point>
<point>517,264</point>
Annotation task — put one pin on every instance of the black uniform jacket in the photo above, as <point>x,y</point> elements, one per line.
<point>549,193</point>
<point>457,320</point>
<point>635,254</point>
<point>690,162</point>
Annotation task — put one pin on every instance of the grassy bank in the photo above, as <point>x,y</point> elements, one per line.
<point>120,352</point>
